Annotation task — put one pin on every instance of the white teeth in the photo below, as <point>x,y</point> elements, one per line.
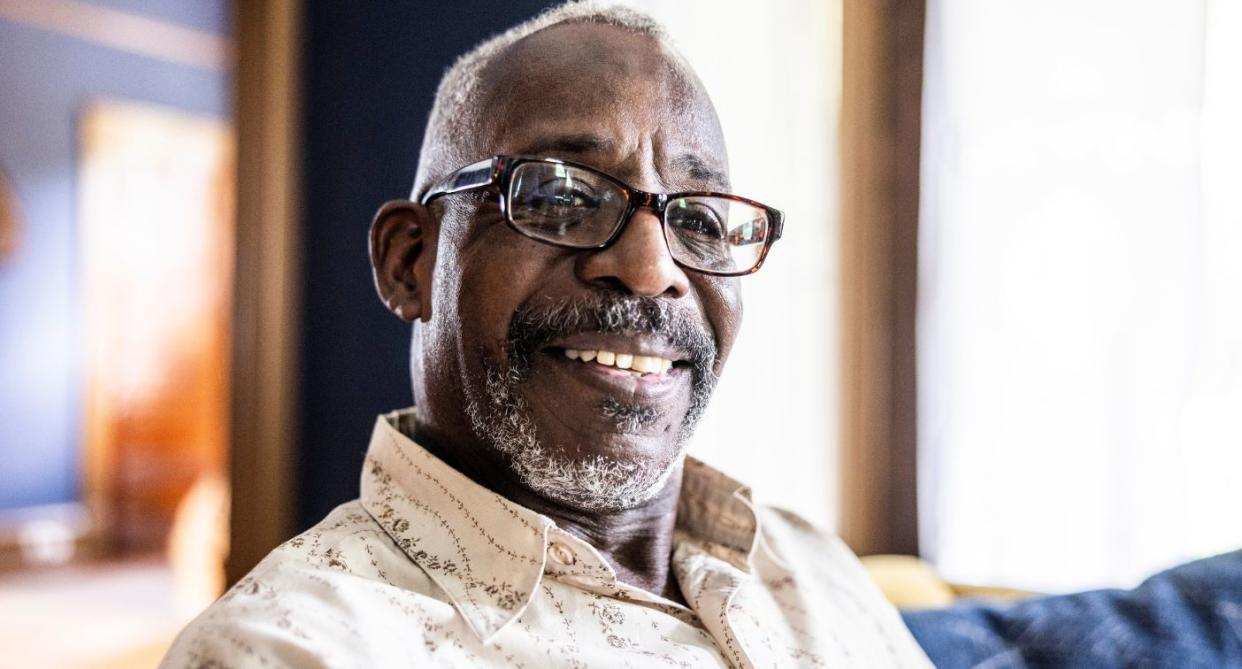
<point>641,364</point>
<point>646,364</point>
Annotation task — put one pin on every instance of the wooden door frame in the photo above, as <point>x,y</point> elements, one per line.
<point>266,301</point>
<point>880,153</point>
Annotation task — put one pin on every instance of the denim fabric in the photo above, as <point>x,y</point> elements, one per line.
<point>1186,617</point>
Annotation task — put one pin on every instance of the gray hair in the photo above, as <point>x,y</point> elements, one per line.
<point>454,114</point>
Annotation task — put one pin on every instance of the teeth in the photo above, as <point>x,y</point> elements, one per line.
<point>646,364</point>
<point>641,364</point>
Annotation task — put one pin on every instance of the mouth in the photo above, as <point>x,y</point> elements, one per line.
<point>635,364</point>
<point>637,367</point>
<point>633,355</point>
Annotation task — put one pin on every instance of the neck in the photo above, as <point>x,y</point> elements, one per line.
<point>636,542</point>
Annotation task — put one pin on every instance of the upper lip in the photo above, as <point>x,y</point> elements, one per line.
<point>621,343</point>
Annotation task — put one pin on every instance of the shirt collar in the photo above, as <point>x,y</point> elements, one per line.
<point>489,554</point>
<point>717,510</point>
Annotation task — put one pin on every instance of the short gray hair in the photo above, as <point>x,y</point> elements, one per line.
<point>455,110</point>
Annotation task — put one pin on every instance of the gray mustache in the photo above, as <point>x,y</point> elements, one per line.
<point>534,326</point>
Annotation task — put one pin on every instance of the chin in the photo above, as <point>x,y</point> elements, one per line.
<point>585,438</point>
<point>620,462</point>
<point>595,483</point>
<point>601,468</point>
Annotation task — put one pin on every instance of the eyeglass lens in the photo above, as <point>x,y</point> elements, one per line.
<point>570,206</point>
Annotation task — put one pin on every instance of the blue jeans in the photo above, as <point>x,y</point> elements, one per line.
<point>1187,617</point>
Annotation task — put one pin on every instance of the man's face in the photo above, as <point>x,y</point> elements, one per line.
<point>505,308</point>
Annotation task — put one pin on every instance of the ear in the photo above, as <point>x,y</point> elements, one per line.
<point>403,247</point>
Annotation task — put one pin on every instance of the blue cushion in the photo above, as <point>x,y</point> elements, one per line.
<point>1187,617</point>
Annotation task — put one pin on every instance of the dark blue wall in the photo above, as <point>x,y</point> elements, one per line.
<point>46,79</point>
<point>370,73</point>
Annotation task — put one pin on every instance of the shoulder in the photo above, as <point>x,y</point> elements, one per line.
<point>793,537</point>
<point>317,600</point>
<point>816,556</point>
<point>833,589</point>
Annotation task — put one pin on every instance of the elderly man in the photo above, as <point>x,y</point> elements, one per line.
<point>571,263</point>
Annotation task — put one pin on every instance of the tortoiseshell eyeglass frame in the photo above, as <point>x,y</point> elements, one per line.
<point>498,172</point>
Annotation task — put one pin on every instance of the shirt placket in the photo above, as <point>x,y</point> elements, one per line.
<point>575,562</point>
<point>710,585</point>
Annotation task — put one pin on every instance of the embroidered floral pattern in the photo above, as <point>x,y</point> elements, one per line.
<point>430,569</point>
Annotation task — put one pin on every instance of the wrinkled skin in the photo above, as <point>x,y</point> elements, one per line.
<point>614,100</point>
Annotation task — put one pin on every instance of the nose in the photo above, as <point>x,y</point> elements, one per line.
<point>638,262</point>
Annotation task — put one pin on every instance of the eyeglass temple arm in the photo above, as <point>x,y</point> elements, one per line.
<point>476,175</point>
<point>778,226</point>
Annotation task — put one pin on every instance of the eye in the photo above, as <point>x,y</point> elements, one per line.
<point>699,220</point>
<point>561,197</point>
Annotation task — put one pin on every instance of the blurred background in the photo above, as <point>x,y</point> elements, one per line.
<point>1002,332</point>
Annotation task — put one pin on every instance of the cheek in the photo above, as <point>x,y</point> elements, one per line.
<point>499,273</point>
<point>722,303</point>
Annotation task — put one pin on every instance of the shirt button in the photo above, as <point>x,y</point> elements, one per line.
<point>562,553</point>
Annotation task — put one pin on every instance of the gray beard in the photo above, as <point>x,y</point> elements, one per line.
<point>502,417</point>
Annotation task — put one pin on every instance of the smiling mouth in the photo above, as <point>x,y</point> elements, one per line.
<point>629,398</point>
<point>639,365</point>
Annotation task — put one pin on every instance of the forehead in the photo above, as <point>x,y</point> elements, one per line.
<point>606,95</point>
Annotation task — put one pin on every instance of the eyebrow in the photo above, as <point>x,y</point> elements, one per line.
<point>698,170</point>
<point>571,144</point>
<point>695,168</point>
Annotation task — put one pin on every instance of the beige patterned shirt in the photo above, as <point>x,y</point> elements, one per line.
<point>428,568</point>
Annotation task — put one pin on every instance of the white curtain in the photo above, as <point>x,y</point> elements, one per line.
<point>773,70</point>
<point>1080,318</point>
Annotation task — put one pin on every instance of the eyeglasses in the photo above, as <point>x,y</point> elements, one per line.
<point>578,207</point>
